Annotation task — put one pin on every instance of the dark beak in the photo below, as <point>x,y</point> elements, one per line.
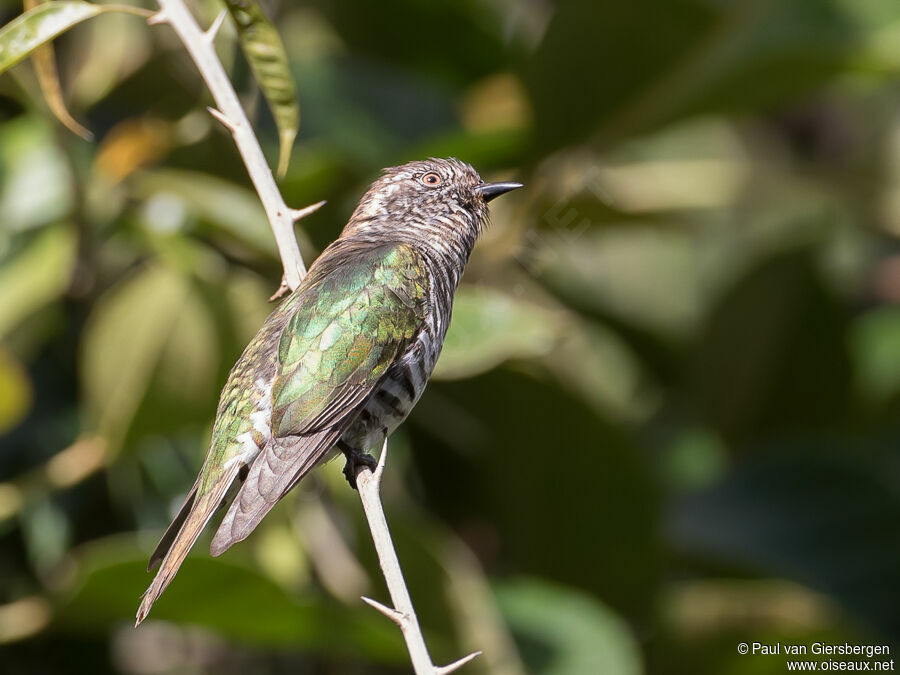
<point>490,191</point>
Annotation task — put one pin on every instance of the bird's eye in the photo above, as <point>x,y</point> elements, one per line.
<point>431,179</point>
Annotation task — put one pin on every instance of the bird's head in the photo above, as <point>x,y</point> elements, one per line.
<point>434,196</point>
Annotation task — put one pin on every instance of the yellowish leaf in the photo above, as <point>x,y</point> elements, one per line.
<point>44,61</point>
<point>15,393</point>
<point>21,36</point>
<point>132,144</point>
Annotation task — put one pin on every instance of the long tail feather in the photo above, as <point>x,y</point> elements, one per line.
<point>283,462</point>
<point>201,509</point>
<point>165,543</point>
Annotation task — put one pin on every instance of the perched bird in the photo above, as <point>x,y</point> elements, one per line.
<point>342,361</point>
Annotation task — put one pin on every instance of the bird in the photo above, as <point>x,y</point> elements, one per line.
<point>341,362</point>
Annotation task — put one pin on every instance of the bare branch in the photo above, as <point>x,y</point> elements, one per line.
<point>229,112</point>
<point>200,47</point>
<point>403,613</point>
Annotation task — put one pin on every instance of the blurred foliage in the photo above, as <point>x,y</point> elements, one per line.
<point>262,46</point>
<point>666,418</point>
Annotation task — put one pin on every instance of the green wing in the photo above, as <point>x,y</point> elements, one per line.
<point>357,310</point>
<point>352,322</point>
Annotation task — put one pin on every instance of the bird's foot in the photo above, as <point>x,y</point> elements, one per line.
<point>355,461</point>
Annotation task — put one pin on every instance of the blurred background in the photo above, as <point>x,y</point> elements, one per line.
<point>667,418</point>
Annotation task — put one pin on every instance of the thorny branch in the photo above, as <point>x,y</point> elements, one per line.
<point>403,614</point>
<point>282,218</point>
<point>230,113</point>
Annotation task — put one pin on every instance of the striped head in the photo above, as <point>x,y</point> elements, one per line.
<point>443,198</point>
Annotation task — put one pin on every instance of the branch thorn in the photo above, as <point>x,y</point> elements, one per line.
<point>442,670</point>
<point>213,30</point>
<point>219,115</point>
<point>297,214</point>
<point>392,614</point>
<point>157,18</point>
<point>283,290</point>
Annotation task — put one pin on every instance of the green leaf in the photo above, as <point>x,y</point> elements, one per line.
<point>237,603</point>
<point>490,327</point>
<point>44,60</point>
<point>578,635</point>
<point>580,57</point>
<point>21,36</point>
<point>187,372</point>
<point>45,530</point>
<point>219,203</point>
<point>821,511</point>
<point>38,181</point>
<point>148,328</point>
<point>110,52</point>
<point>695,57</point>
<point>245,295</point>
<point>35,277</point>
<point>264,50</point>
<point>598,364</point>
<point>875,344</point>
<point>15,392</point>
<point>773,354</point>
<point>648,277</point>
<point>463,40</point>
<point>465,433</point>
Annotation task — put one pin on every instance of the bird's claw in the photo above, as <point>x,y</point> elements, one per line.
<point>355,461</point>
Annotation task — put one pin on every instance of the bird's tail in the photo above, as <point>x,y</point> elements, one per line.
<point>182,535</point>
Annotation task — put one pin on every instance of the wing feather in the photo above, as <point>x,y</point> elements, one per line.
<point>340,341</point>
<point>282,463</point>
<point>346,331</point>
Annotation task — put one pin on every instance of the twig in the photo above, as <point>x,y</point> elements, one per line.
<point>403,614</point>
<point>230,113</point>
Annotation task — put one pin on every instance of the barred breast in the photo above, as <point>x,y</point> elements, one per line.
<point>405,381</point>
<point>390,404</point>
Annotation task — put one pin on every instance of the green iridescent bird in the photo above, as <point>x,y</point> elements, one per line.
<point>342,361</point>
